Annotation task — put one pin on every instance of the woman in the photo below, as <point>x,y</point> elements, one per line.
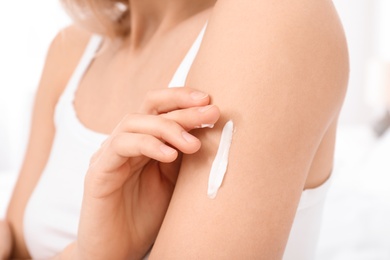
<point>277,70</point>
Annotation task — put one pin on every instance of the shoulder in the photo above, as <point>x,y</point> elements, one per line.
<point>295,27</point>
<point>293,47</point>
<point>68,45</point>
<point>63,55</point>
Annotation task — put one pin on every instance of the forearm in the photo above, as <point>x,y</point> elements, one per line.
<point>5,240</point>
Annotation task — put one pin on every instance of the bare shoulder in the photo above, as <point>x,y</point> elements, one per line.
<point>62,58</point>
<point>286,40</point>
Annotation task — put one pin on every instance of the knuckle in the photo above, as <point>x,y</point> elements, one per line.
<point>173,117</point>
<point>127,118</point>
<point>128,121</point>
<point>144,139</point>
<point>145,142</point>
<point>148,104</point>
<point>94,158</point>
<point>179,116</point>
<point>168,122</point>
<point>116,142</point>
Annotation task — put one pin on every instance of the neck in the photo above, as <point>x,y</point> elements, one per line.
<point>149,17</point>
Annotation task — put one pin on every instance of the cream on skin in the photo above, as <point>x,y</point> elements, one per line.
<point>220,163</point>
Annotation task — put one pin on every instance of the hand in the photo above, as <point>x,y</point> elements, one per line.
<point>131,178</point>
<point>5,240</point>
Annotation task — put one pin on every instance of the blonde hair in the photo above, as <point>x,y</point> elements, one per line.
<point>108,17</point>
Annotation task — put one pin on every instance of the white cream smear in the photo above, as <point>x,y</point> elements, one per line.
<point>220,163</point>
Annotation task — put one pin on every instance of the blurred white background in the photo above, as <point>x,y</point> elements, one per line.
<point>356,219</point>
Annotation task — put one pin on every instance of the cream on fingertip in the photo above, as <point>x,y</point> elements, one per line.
<point>204,126</point>
<point>207,126</point>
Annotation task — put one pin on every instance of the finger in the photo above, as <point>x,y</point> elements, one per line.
<point>165,100</point>
<point>171,170</point>
<point>196,117</point>
<point>161,128</point>
<point>131,145</point>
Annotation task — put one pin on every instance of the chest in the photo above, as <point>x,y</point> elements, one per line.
<point>116,82</point>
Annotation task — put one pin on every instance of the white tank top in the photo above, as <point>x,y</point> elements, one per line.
<point>52,213</point>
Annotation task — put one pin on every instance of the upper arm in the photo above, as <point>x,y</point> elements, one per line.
<point>62,57</point>
<point>278,70</point>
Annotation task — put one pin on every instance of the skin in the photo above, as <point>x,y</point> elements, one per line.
<point>5,238</point>
<point>284,97</point>
<point>298,86</point>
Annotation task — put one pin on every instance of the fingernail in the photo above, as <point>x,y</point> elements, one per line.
<point>206,125</point>
<point>205,109</point>
<point>189,138</point>
<point>167,150</point>
<point>197,95</point>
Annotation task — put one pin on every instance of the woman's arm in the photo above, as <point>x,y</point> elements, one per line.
<point>63,56</point>
<point>278,70</point>
<point>6,240</point>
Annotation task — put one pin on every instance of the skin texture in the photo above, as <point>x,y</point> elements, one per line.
<point>285,92</point>
<point>283,98</point>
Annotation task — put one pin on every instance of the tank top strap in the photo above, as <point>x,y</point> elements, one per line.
<point>64,111</point>
<point>84,63</point>
<point>180,76</point>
